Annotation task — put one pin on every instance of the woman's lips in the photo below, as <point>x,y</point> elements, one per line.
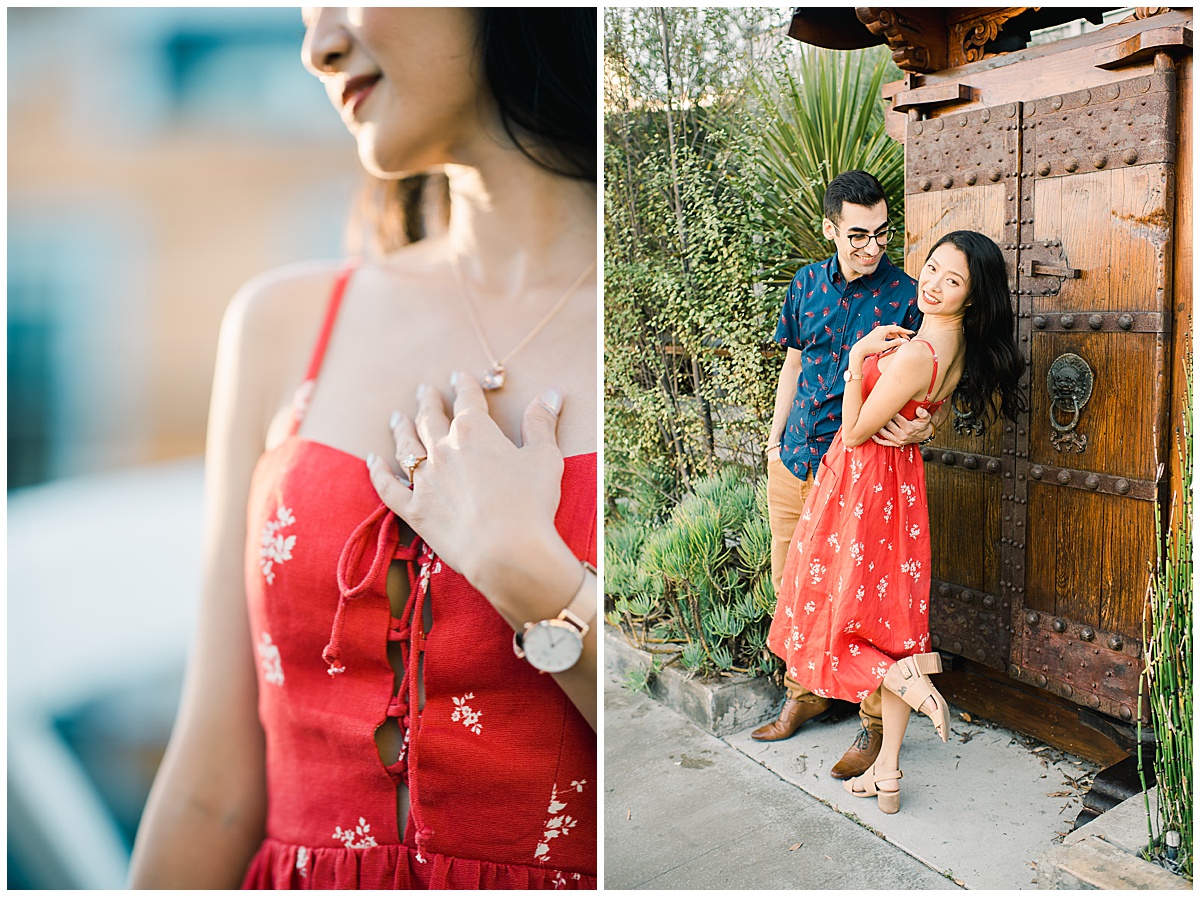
<point>356,91</point>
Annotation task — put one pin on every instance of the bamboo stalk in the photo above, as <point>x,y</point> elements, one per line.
<point>1166,686</point>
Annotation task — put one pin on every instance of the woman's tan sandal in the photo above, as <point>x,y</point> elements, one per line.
<point>865,786</point>
<point>909,680</point>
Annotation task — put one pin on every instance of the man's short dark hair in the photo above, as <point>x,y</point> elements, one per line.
<point>856,187</point>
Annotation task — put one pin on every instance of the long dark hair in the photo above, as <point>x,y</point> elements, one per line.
<point>993,364</point>
<point>540,66</point>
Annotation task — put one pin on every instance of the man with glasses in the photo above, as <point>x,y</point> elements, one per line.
<point>829,306</point>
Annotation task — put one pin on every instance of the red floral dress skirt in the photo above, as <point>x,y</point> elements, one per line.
<point>854,597</point>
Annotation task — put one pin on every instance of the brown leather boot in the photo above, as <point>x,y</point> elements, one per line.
<point>861,755</point>
<point>792,717</point>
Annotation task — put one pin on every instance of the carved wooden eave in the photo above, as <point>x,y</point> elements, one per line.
<point>925,40</point>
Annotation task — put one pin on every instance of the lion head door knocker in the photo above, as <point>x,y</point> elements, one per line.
<point>1069,383</point>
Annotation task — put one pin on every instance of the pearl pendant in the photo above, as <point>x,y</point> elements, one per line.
<point>494,378</point>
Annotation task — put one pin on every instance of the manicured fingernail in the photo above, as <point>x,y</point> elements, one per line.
<point>453,378</point>
<point>551,399</point>
<point>395,420</point>
<point>371,459</point>
<point>421,390</point>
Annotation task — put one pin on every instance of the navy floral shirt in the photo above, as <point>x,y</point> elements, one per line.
<point>823,316</point>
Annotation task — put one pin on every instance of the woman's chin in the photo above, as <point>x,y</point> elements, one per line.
<point>388,166</point>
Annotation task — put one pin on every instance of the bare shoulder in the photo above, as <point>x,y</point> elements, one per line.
<point>267,335</point>
<point>915,355</point>
<point>281,298</point>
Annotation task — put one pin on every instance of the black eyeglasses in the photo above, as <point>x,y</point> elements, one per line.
<point>860,241</point>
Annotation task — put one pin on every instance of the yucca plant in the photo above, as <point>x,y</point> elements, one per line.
<point>820,117</point>
<point>1166,686</point>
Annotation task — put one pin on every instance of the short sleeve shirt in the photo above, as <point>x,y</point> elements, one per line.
<point>822,317</point>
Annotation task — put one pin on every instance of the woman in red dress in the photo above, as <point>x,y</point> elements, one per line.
<point>853,608</point>
<point>387,578</point>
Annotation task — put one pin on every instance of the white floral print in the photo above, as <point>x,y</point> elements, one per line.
<point>463,713</point>
<point>358,838</point>
<point>817,571</point>
<point>856,552</point>
<point>913,568</point>
<point>856,469</point>
<point>276,548</point>
<point>559,824</point>
<point>302,861</point>
<point>430,564</point>
<point>268,654</point>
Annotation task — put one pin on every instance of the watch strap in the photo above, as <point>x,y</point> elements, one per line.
<point>582,609</point>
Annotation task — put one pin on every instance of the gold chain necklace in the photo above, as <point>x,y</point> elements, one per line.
<point>496,374</point>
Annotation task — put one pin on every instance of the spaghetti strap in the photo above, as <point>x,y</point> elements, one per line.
<point>933,379</point>
<point>304,392</point>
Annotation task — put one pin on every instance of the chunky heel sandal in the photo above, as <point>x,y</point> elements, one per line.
<point>908,678</point>
<point>865,786</point>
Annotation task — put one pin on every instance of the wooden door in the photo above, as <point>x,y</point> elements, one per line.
<point>1043,531</point>
<point>961,173</point>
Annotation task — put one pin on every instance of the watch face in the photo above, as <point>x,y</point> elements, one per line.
<point>552,645</point>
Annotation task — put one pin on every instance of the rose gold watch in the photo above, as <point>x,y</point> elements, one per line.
<point>555,645</point>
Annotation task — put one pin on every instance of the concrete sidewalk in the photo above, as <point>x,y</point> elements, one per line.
<point>683,809</point>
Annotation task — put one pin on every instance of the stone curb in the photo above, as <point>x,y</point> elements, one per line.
<point>719,706</point>
<point>1102,855</point>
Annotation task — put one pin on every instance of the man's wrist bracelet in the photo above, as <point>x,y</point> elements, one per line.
<point>773,445</point>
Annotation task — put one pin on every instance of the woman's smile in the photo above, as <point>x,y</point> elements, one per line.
<point>355,92</point>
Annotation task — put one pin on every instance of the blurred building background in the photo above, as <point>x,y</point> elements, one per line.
<point>157,159</point>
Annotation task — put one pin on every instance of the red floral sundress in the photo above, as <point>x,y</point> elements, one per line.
<point>855,592</point>
<point>500,766</point>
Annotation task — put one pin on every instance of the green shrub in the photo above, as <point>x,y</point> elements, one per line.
<point>696,587</point>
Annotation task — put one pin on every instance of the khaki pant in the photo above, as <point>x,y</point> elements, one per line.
<point>786,494</point>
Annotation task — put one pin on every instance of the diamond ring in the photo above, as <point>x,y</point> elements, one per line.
<point>410,463</point>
